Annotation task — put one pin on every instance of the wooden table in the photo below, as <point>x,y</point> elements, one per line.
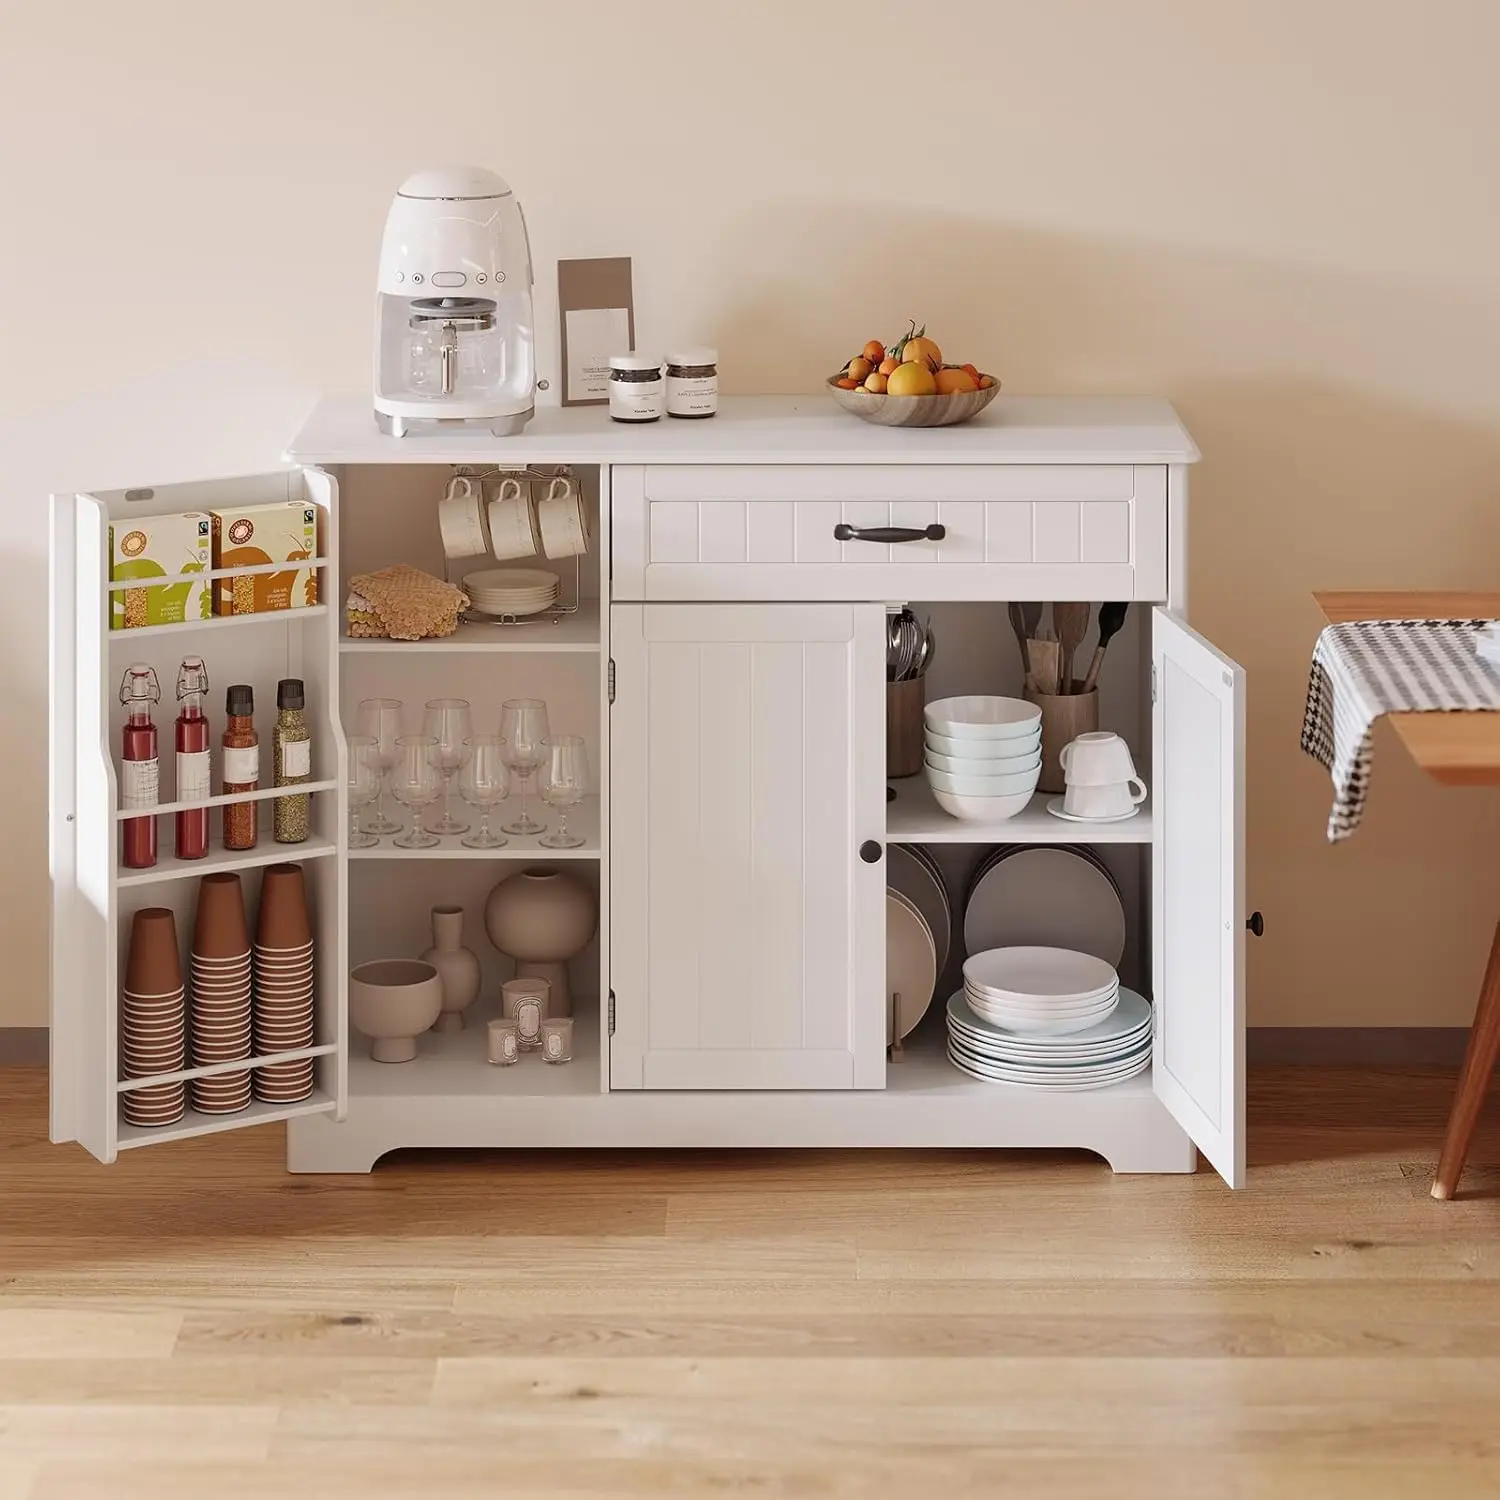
<point>1457,749</point>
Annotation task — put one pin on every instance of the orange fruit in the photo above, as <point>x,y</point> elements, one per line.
<point>923,349</point>
<point>973,373</point>
<point>887,366</point>
<point>875,382</point>
<point>911,378</point>
<point>859,367</point>
<point>952,381</point>
<point>986,381</point>
<point>874,351</point>
<point>844,383</point>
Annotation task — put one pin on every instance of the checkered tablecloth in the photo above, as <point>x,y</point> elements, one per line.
<point>1367,668</point>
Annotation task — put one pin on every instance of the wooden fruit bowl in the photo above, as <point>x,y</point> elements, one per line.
<point>913,411</point>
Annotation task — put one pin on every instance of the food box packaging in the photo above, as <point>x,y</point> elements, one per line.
<point>160,547</point>
<point>252,536</point>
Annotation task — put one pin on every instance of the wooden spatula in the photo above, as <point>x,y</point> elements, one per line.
<point>1072,621</point>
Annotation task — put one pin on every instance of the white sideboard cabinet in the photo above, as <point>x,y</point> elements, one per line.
<point>726,665</point>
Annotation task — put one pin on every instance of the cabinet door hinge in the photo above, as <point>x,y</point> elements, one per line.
<point>611,679</point>
<point>611,1013</point>
<point>1153,683</point>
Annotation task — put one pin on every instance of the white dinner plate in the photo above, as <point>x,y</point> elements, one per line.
<point>1046,897</point>
<point>910,965</point>
<point>1071,1086</point>
<point>509,580</point>
<point>1127,1016</point>
<point>1038,972</point>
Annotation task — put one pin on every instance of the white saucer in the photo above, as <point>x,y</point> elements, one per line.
<point>1055,807</point>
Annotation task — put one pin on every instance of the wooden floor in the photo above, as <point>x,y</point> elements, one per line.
<point>193,1322</point>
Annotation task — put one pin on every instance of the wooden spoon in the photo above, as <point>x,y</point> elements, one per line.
<point>1018,625</point>
<point>1111,618</point>
<point>1072,621</point>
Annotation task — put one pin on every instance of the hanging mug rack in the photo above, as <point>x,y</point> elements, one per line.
<point>465,528</point>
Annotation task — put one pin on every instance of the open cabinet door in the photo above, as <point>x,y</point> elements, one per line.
<point>1198,886</point>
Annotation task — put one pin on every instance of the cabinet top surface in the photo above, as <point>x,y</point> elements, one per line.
<point>776,430</point>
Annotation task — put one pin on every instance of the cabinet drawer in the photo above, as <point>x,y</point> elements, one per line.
<point>700,532</point>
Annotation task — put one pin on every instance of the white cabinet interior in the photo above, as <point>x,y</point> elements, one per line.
<point>741,789</point>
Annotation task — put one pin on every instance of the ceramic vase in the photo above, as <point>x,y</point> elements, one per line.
<point>541,919</point>
<point>457,966</point>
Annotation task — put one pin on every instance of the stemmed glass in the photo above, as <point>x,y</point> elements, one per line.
<point>483,782</point>
<point>416,783</point>
<point>565,783</point>
<point>380,718</point>
<point>449,722</point>
<point>364,782</point>
<point>523,726</point>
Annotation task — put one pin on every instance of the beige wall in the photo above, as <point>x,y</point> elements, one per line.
<point>1279,213</point>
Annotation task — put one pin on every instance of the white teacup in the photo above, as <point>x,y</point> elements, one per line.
<point>461,519</point>
<point>559,513</point>
<point>1111,801</point>
<point>512,525</point>
<point>1099,758</point>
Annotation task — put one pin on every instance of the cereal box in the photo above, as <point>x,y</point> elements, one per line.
<point>259,535</point>
<point>146,547</point>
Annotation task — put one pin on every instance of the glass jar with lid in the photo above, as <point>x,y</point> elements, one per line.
<point>637,392</point>
<point>693,383</point>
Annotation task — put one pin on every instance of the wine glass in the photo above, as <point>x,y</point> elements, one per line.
<point>449,722</point>
<point>416,783</point>
<point>565,783</point>
<point>380,718</point>
<point>364,782</point>
<point>523,726</point>
<point>483,782</point>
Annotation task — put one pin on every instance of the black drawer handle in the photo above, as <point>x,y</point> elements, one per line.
<point>844,532</point>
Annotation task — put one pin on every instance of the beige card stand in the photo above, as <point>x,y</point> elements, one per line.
<point>586,285</point>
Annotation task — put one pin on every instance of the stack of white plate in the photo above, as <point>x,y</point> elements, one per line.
<point>511,591</point>
<point>1040,991</point>
<point>983,755</point>
<point>1108,1052</point>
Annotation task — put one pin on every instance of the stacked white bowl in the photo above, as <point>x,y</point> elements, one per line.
<point>983,755</point>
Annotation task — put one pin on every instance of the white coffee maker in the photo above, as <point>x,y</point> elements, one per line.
<point>454,341</point>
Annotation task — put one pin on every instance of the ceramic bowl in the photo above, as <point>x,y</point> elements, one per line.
<point>1016,749</point>
<point>913,411</point>
<point>1010,765</point>
<point>393,1001</point>
<point>982,717</point>
<point>981,809</point>
<point>1021,784</point>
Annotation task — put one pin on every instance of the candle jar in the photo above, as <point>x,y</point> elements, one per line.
<point>524,1001</point>
<point>637,392</point>
<point>504,1042</point>
<point>557,1040</point>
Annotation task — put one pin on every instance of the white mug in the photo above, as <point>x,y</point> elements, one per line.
<point>512,526</point>
<point>1099,758</point>
<point>1111,801</point>
<point>461,519</point>
<point>560,515</point>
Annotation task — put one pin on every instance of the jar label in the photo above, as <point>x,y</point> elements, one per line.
<point>692,395</point>
<point>241,765</point>
<point>296,758</point>
<point>529,1018</point>
<point>139,781</point>
<point>636,400</point>
<point>193,773</point>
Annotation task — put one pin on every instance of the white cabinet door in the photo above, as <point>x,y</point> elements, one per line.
<point>1198,888</point>
<point>747,755</point>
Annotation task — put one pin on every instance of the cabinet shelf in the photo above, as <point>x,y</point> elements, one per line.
<point>915,818</point>
<point>169,867</point>
<point>220,622</point>
<point>584,821</point>
<point>192,1123</point>
<point>578,633</point>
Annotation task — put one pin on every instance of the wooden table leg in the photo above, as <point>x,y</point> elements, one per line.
<point>1474,1081</point>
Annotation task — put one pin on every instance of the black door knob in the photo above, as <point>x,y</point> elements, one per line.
<point>1256,924</point>
<point>870,852</point>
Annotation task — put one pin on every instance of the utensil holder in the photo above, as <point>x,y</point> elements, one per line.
<point>1064,718</point>
<point>904,702</point>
